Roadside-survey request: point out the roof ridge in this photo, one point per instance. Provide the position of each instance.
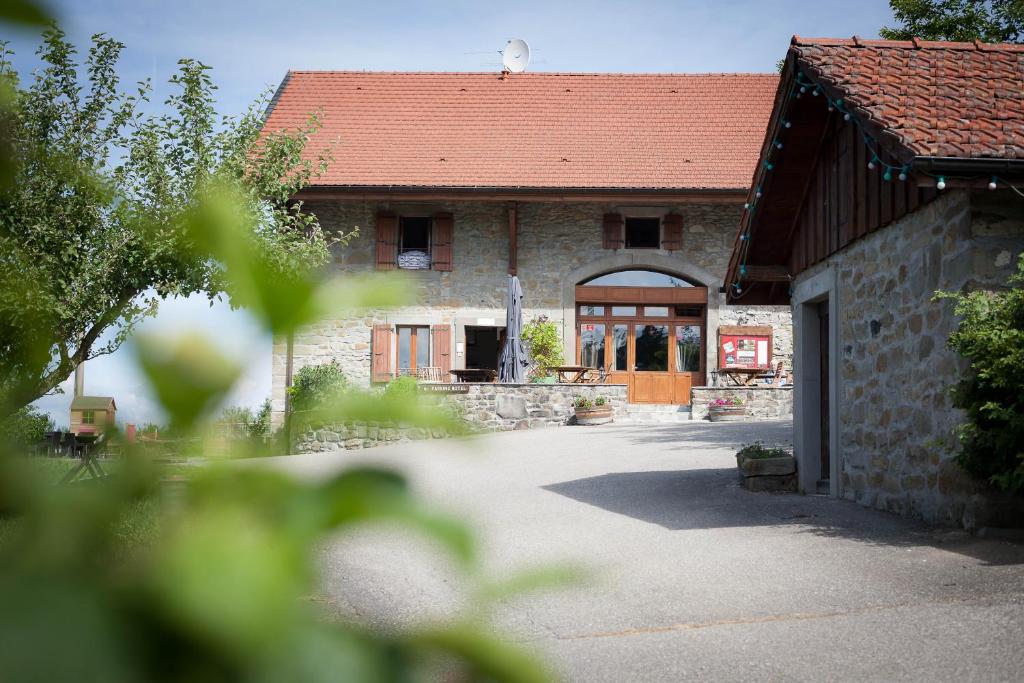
(913, 44)
(530, 74)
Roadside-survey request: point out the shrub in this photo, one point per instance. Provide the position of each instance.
(991, 337)
(582, 402)
(25, 427)
(600, 401)
(401, 386)
(312, 385)
(757, 451)
(544, 344)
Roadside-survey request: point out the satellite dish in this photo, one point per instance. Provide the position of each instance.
(516, 56)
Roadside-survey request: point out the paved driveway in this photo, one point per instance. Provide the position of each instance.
(691, 576)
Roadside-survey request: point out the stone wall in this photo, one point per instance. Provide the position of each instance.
(486, 407)
(556, 241)
(895, 421)
(778, 317)
(761, 402)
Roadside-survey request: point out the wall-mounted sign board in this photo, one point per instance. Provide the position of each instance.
(748, 347)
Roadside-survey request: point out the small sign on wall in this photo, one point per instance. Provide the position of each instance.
(444, 388)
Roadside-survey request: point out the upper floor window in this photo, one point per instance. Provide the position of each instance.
(414, 242)
(643, 233)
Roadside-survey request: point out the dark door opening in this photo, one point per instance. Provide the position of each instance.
(483, 347)
(826, 457)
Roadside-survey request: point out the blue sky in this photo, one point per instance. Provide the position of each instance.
(251, 45)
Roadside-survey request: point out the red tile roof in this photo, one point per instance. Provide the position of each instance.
(938, 99)
(532, 130)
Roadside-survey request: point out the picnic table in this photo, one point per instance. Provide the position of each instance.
(475, 375)
(743, 377)
(574, 374)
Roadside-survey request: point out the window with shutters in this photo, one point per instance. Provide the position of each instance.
(413, 349)
(414, 242)
(643, 233)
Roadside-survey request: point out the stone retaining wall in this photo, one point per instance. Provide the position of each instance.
(761, 402)
(488, 407)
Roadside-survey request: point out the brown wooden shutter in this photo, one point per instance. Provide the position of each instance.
(442, 349)
(672, 232)
(442, 242)
(387, 241)
(380, 347)
(612, 234)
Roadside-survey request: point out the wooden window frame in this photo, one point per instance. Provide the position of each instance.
(88, 417)
(413, 341)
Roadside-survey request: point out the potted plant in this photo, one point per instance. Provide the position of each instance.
(592, 412)
(727, 410)
(766, 469)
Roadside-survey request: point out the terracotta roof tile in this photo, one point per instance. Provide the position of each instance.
(939, 99)
(532, 130)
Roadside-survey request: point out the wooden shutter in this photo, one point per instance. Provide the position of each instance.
(380, 347)
(387, 241)
(441, 248)
(612, 233)
(672, 232)
(442, 349)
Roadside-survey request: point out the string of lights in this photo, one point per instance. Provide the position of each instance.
(877, 161)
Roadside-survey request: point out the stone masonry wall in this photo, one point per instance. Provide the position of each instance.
(489, 407)
(760, 402)
(555, 239)
(895, 418)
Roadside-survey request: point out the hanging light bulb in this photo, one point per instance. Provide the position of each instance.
(778, 145)
(786, 124)
(846, 116)
(831, 107)
(941, 184)
(803, 89)
(815, 92)
(769, 165)
(871, 164)
(902, 175)
(888, 174)
(992, 183)
(758, 193)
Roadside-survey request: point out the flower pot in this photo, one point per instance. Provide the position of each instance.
(727, 413)
(767, 474)
(598, 415)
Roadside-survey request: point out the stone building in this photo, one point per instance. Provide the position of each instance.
(886, 174)
(614, 198)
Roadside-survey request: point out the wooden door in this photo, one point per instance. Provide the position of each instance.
(823, 384)
(652, 381)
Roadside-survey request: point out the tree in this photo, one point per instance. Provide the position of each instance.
(95, 227)
(991, 21)
(24, 427)
(543, 344)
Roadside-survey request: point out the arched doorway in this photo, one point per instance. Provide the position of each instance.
(646, 329)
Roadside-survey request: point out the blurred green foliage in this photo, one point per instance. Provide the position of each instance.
(199, 573)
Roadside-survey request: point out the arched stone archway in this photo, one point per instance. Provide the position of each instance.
(627, 260)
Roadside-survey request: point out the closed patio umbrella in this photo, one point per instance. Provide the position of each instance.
(512, 368)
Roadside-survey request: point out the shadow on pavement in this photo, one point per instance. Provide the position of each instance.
(712, 499)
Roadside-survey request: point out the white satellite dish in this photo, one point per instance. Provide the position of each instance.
(516, 56)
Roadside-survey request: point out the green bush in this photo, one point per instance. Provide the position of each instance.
(582, 402)
(758, 451)
(25, 427)
(313, 385)
(401, 386)
(544, 344)
(991, 337)
(600, 401)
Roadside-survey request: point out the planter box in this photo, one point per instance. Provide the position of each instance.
(598, 415)
(727, 413)
(767, 474)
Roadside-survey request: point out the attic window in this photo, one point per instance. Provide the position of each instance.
(643, 233)
(414, 243)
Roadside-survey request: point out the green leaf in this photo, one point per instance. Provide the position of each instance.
(487, 657)
(25, 12)
(189, 376)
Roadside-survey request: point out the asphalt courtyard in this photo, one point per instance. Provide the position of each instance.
(690, 576)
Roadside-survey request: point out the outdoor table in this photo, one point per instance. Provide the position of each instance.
(573, 374)
(742, 377)
(475, 375)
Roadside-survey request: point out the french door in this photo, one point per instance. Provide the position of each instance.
(659, 359)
